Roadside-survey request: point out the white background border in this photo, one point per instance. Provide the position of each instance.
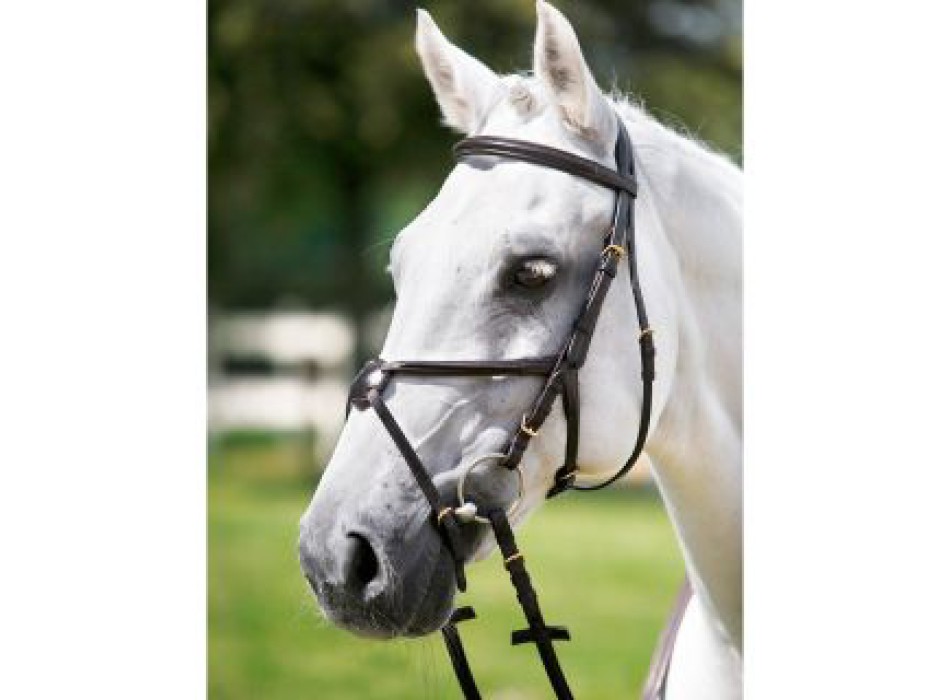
(102, 281)
(847, 350)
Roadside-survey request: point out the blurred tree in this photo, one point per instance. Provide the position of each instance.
(324, 139)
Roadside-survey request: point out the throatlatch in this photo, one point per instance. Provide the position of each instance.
(561, 379)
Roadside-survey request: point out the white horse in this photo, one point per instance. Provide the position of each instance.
(495, 267)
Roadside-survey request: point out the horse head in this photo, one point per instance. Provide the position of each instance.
(497, 266)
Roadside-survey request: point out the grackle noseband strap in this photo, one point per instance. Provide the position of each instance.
(560, 379)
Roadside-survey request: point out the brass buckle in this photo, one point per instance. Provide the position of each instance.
(617, 250)
(513, 557)
(442, 513)
(526, 429)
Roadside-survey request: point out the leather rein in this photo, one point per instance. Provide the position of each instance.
(560, 375)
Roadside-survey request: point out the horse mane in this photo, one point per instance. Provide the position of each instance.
(672, 158)
(696, 189)
(698, 195)
(698, 192)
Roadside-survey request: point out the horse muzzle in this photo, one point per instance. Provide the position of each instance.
(378, 580)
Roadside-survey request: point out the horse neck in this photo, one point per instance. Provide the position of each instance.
(695, 199)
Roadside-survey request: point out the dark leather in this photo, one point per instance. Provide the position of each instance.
(538, 631)
(453, 643)
(472, 368)
(447, 525)
(546, 156)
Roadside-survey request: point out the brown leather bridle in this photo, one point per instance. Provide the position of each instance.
(560, 374)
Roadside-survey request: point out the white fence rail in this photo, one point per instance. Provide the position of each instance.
(307, 359)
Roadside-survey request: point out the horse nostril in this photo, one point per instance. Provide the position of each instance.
(362, 566)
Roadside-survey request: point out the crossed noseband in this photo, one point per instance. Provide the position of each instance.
(559, 373)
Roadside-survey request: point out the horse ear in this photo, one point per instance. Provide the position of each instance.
(464, 87)
(559, 63)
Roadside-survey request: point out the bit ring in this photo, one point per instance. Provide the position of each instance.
(484, 458)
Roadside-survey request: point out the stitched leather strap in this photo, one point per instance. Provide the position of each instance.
(447, 525)
(647, 347)
(453, 644)
(546, 156)
(527, 366)
(538, 631)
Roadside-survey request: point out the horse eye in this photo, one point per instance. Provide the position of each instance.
(535, 273)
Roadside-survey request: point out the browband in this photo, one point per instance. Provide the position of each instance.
(548, 157)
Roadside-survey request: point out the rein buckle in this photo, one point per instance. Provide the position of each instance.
(618, 250)
(528, 430)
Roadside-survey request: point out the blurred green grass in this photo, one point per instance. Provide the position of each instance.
(604, 564)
